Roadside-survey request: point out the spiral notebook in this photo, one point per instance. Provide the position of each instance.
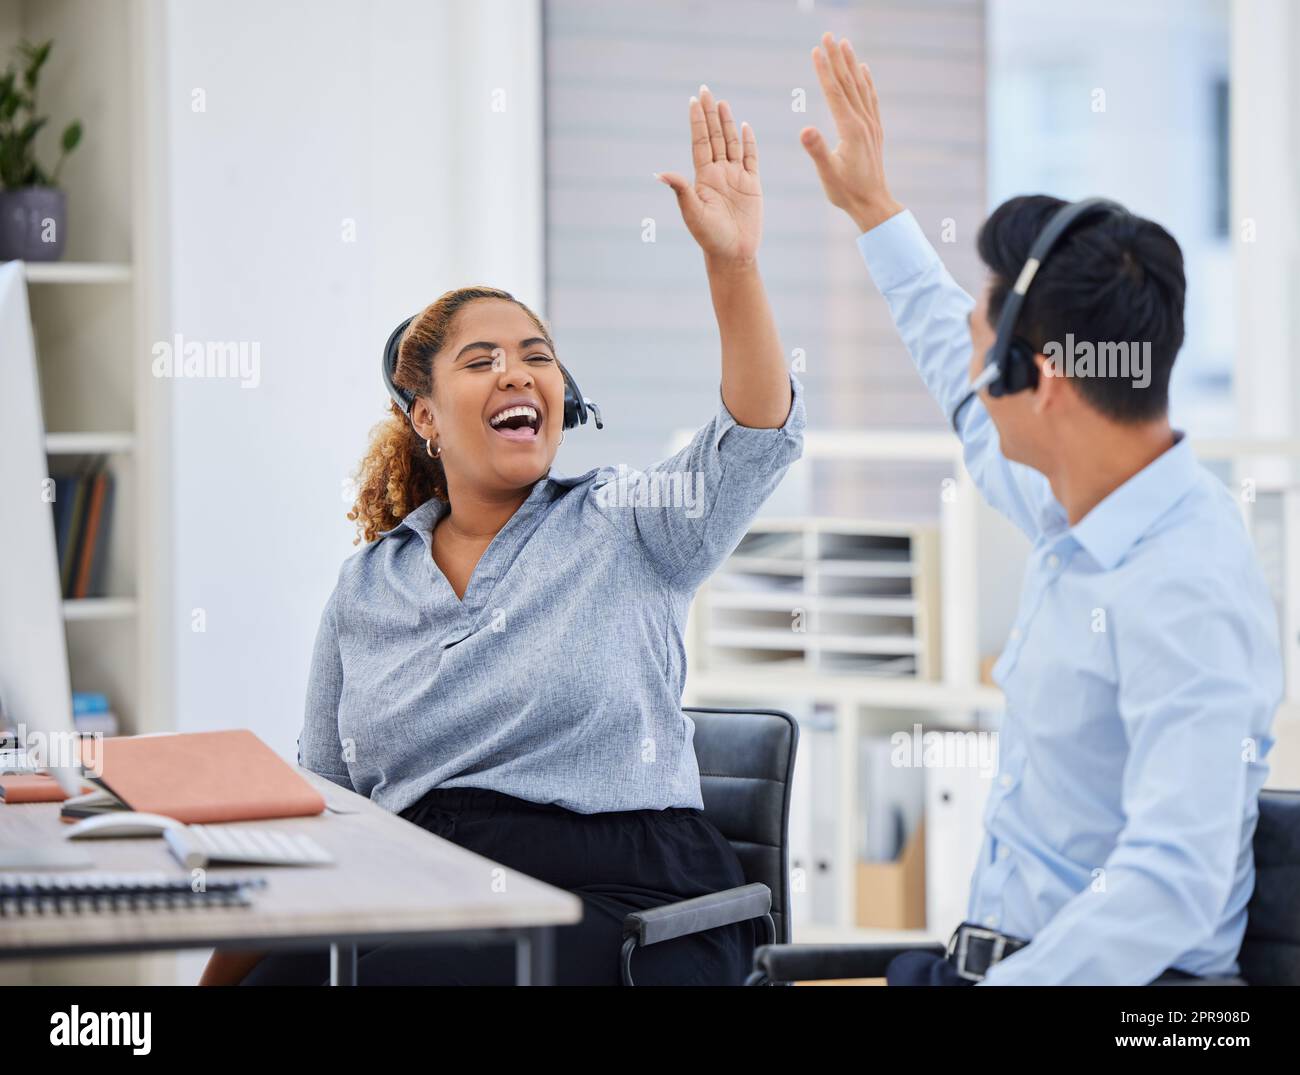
(89, 892)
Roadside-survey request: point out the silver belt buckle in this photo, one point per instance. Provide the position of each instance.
(962, 939)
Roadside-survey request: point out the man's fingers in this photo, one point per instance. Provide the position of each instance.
(701, 150)
(729, 134)
(870, 83)
(845, 66)
(811, 139)
(853, 72)
(834, 94)
(716, 141)
(750, 148)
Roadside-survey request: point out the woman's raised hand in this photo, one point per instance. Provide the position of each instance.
(723, 209)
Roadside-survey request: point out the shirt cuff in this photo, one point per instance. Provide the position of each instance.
(896, 251)
(749, 442)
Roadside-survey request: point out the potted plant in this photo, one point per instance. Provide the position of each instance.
(32, 207)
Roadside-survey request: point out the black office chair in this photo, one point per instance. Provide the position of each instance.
(1270, 950)
(746, 761)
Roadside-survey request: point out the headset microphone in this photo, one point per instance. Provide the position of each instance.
(1009, 365)
(576, 405)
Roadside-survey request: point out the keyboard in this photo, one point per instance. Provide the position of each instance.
(198, 846)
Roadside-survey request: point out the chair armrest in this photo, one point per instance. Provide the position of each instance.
(1199, 981)
(820, 962)
(698, 914)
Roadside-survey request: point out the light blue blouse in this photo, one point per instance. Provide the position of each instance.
(558, 678)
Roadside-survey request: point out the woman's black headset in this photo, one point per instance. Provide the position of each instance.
(576, 405)
(1009, 365)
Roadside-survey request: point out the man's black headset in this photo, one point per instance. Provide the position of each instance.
(576, 405)
(1009, 366)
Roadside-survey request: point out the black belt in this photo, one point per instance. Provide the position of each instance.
(973, 949)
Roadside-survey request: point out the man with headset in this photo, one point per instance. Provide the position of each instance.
(1143, 669)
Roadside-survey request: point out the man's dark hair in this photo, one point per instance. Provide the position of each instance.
(1112, 278)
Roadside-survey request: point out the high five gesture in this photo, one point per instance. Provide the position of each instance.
(853, 173)
(723, 209)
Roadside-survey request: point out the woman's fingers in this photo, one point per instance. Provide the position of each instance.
(687, 196)
(672, 179)
(750, 148)
(701, 150)
(729, 134)
(717, 143)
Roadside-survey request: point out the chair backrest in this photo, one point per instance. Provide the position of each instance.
(746, 760)
(1270, 951)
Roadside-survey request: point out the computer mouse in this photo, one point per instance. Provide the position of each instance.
(122, 823)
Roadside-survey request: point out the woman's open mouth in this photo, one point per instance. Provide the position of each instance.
(520, 422)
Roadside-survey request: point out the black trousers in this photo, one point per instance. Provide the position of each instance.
(614, 862)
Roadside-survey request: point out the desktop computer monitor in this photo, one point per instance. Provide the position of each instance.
(34, 682)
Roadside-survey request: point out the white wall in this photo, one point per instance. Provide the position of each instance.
(315, 114)
(1266, 226)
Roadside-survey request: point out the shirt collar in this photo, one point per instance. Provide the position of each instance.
(1114, 526)
(423, 519)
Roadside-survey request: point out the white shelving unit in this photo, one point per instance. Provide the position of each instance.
(89, 443)
(826, 597)
(94, 315)
(72, 272)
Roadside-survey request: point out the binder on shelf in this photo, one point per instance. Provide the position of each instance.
(956, 797)
(823, 770)
(83, 510)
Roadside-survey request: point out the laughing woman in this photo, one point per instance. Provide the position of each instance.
(503, 662)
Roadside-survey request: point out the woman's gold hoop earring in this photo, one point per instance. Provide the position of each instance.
(428, 447)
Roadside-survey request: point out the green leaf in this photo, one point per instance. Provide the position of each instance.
(30, 130)
(35, 55)
(71, 136)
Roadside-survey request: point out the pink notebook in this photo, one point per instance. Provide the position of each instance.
(201, 777)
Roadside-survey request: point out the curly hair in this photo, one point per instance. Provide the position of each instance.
(397, 474)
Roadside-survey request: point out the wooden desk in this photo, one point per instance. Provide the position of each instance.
(391, 881)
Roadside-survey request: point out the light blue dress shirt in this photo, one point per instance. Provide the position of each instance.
(1141, 679)
(557, 677)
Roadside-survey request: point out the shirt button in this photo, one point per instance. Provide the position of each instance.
(991, 920)
(1015, 634)
(1053, 561)
(1005, 780)
(1003, 851)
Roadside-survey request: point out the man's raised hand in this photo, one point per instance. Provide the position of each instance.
(853, 173)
